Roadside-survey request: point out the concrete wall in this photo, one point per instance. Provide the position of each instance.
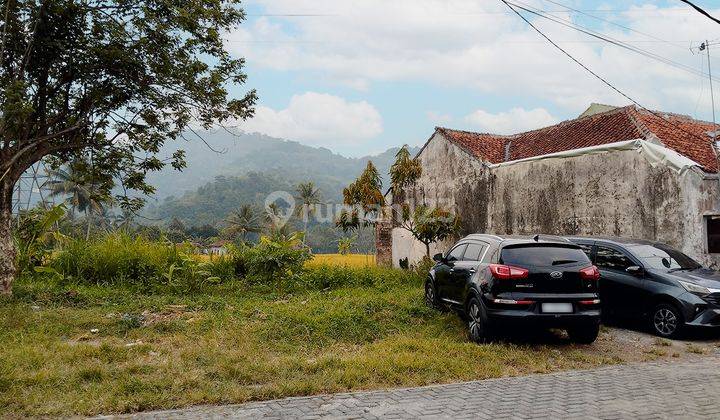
(617, 193)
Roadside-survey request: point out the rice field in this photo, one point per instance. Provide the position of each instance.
(349, 260)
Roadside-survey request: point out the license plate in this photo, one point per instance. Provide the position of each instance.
(557, 308)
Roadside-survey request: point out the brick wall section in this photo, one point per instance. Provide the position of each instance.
(383, 243)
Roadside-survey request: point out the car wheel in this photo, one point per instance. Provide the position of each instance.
(585, 334)
(666, 321)
(478, 326)
(431, 298)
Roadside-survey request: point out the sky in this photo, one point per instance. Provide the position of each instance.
(361, 76)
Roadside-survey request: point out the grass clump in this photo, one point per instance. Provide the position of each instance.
(126, 349)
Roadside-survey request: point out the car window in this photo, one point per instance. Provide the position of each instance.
(542, 256)
(663, 257)
(474, 252)
(611, 259)
(587, 249)
(457, 252)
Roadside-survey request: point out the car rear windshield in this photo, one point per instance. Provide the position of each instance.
(542, 255)
(663, 257)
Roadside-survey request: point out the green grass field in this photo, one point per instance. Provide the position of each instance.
(83, 350)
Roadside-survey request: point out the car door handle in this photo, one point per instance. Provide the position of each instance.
(472, 271)
(452, 270)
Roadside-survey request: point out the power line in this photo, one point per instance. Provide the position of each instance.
(597, 76)
(701, 11)
(569, 55)
(615, 24)
(606, 38)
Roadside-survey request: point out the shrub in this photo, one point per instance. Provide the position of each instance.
(278, 259)
(34, 236)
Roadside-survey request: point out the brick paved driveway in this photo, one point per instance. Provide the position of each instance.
(679, 389)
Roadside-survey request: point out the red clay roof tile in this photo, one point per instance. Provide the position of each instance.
(683, 134)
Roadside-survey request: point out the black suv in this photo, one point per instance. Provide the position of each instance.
(653, 282)
(494, 281)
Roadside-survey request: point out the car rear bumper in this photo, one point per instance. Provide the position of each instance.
(520, 317)
(582, 314)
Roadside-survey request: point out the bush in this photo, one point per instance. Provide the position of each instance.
(279, 260)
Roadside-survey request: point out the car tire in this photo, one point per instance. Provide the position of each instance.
(666, 321)
(431, 298)
(585, 334)
(478, 325)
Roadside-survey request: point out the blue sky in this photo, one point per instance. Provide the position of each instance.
(368, 75)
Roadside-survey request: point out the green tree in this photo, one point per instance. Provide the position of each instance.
(365, 193)
(404, 172)
(429, 225)
(308, 197)
(110, 79)
(243, 221)
(79, 191)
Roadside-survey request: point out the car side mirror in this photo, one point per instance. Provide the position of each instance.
(635, 270)
(438, 257)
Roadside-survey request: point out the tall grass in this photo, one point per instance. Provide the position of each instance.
(119, 258)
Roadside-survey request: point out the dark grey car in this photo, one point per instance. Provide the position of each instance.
(654, 282)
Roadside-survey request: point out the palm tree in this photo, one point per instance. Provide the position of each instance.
(308, 196)
(124, 220)
(75, 189)
(243, 221)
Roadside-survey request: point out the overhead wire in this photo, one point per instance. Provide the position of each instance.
(627, 28)
(701, 11)
(597, 76)
(606, 38)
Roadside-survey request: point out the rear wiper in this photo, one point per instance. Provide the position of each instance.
(558, 262)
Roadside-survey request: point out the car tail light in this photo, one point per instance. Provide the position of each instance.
(590, 302)
(513, 302)
(590, 273)
(507, 272)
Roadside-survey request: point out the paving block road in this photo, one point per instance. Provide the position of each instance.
(687, 389)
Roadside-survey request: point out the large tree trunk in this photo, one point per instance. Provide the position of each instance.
(8, 269)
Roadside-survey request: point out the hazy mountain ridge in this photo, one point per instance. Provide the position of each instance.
(250, 167)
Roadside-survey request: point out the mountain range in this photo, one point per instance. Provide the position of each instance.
(225, 170)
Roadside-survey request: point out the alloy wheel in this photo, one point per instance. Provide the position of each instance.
(429, 294)
(665, 321)
(475, 320)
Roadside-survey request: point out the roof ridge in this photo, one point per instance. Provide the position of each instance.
(561, 123)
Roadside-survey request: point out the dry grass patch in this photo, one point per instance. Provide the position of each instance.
(114, 350)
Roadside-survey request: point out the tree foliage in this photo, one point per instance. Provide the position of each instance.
(243, 221)
(115, 78)
(365, 193)
(429, 225)
(404, 172)
(111, 82)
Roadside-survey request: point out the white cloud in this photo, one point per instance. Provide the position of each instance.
(318, 119)
(478, 45)
(513, 121)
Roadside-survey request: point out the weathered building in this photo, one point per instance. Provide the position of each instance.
(623, 172)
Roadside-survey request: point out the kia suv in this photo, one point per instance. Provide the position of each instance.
(497, 282)
(653, 282)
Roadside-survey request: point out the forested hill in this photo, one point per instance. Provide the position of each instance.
(249, 168)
